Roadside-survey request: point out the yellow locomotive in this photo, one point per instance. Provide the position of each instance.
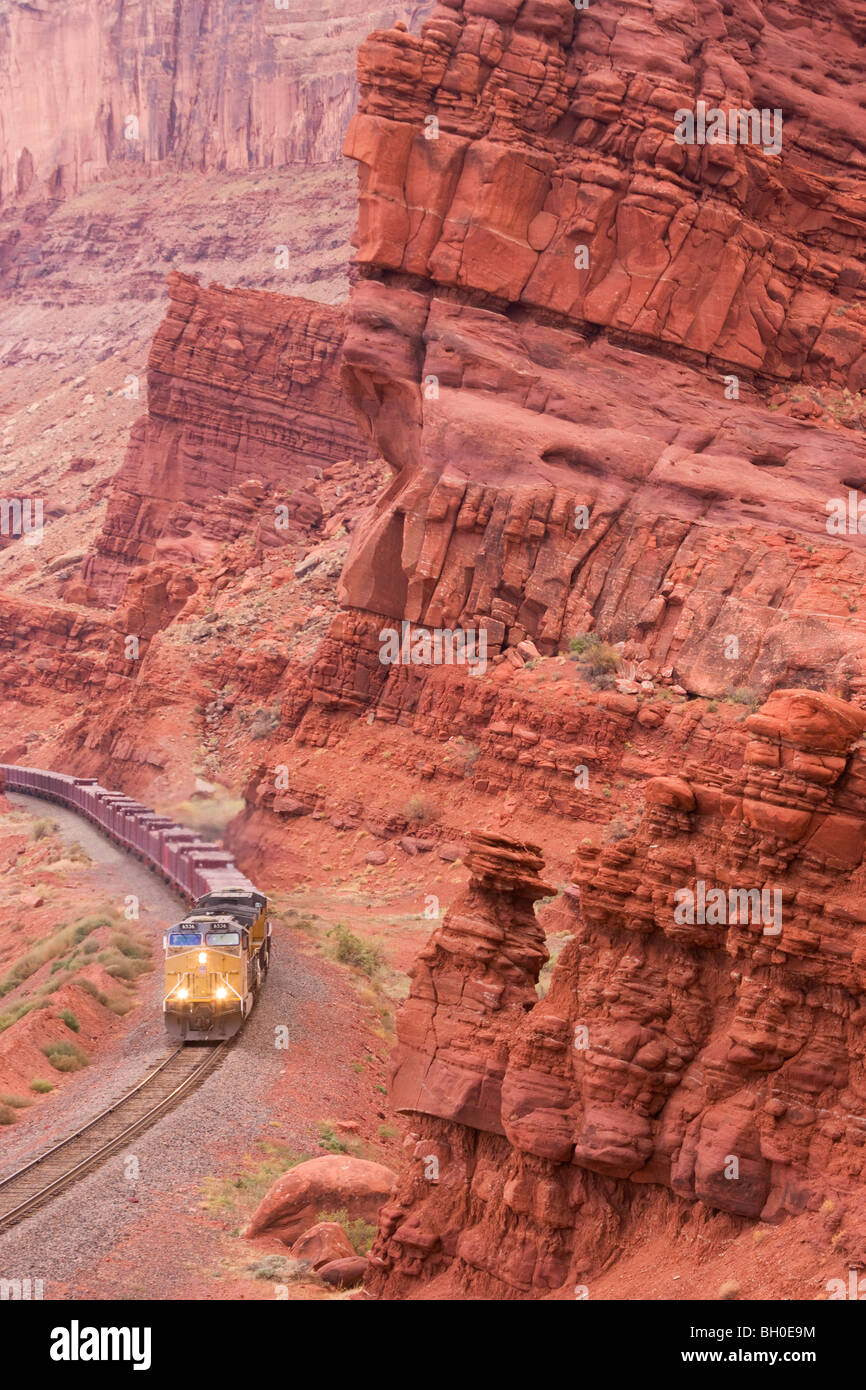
(215, 962)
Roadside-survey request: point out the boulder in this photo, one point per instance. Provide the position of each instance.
(343, 1274)
(334, 1182)
(322, 1244)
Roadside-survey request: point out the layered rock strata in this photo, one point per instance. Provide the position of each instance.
(244, 410)
(619, 379)
(696, 1037)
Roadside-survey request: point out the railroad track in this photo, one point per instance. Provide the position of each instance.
(38, 1181)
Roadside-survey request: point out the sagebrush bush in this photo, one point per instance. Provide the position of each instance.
(52, 948)
(65, 1056)
(597, 660)
(41, 828)
(128, 946)
(330, 1140)
(351, 950)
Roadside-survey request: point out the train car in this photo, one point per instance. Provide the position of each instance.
(216, 961)
(197, 867)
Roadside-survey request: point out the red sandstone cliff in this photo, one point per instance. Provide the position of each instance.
(243, 391)
(508, 387)
(229, 85)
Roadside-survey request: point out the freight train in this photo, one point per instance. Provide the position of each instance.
(217, 957)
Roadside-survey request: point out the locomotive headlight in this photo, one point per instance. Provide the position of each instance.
(222, 992)
(183, 993)
(202, 957)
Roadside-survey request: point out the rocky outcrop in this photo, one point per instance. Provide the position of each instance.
(475, 977)
(697, 1036)
(90, 87)
(244, 410)
(44, 645)
(647, 439)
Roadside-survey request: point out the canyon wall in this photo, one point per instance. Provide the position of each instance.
(188, 84)
(244, 410)
(619, 379)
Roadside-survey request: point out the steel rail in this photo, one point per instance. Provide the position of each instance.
(104, 1150)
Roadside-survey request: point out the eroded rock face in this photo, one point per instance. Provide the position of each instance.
(476, 975)
(244, 409)
(557, 127)
(703, 1030)
(228, 85)
(647, 445)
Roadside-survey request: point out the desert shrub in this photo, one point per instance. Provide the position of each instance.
(620, 829)
(278, 1269)
(13, 1014)
(52, 948)
(65, 1056)
(351, 950)
(118, 1005)
(15, 1101)
(41, 1087)
(42, 827)
(245, 1190)
(90, 988)
(597, 661)
(360, 1232)
(70, 1020)
(121, 967)
(129, 947)
(331, 1141)
(88, 924)
(743, 695)
(265, 722)
(7, 1115)
(420, 810)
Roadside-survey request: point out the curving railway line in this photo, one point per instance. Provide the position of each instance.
(25, 1190)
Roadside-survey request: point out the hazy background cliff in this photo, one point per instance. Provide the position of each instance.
(195, 84)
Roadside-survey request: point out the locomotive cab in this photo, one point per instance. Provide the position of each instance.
(211, 977)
